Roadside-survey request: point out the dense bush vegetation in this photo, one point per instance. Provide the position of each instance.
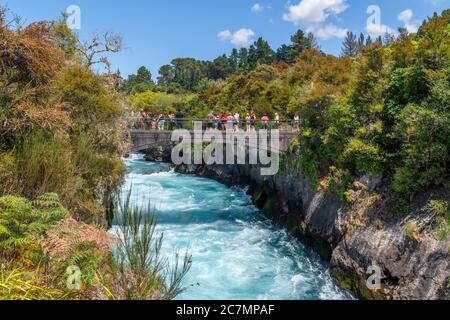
(62, 135)
(41, 246)
(61, 125)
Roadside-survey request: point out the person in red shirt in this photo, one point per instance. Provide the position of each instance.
(223, 121)
(252, 120)
(265, 122)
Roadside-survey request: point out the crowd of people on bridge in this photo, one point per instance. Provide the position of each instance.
(160, 122)
(224, 121)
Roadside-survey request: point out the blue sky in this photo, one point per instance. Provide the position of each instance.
(156, 31)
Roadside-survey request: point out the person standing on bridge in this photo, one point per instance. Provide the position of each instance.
(154, 121)
(142, 120)
(237, 121)
(277, 120)
(210, 121)
(253, 120)
(231, 122)
(161, 122)
(216, 121)
(171, 121)
(265, 122)
(179, 116)
(149, 123)
(223, 121)
(297, 122)
(248, 122)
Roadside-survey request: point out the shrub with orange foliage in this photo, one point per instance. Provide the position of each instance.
(66, 237)
(26, 115)
(29, 61)
(28, 54)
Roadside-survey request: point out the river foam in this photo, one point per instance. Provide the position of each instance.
(237, 253)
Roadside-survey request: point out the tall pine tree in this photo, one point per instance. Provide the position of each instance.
(300, 42)
(361, 42)
(350, 46)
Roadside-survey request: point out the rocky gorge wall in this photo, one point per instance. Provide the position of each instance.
(353, 237)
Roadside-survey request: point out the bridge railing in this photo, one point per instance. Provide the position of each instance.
(188, 124)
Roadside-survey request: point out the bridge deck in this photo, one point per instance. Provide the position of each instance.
(144, 139)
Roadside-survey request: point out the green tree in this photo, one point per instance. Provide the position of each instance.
(144, 75)
(350, 48)
(425, 150)
(434, 42)
(284, 53)
(166, 76)
(244, 60)
(63, 37)
(361, 42)
(406, 86)
(219, 68)
(233, 60)
(183, 74)
(300, 42)
(140, 82)
(155, 102)
(187, 72)
(260, 52)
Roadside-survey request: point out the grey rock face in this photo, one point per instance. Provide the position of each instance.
(158, 154)
(372, 181)
(410, 268)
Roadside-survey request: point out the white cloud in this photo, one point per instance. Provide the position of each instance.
(241, 38)
(314, 11)
(314, 14)
(329, 31)
(375, 30)
(224, 35)
(406, 17)
(257, 8)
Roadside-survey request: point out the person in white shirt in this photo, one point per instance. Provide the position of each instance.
(248, 122)
(277, 120)
(297, 122)
(237, 121)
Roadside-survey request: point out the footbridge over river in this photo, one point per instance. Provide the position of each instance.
(145, 139)
(270, 135)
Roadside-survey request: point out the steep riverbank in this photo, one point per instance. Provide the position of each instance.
(353, 237)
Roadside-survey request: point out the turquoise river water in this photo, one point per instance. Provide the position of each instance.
(237, 253)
